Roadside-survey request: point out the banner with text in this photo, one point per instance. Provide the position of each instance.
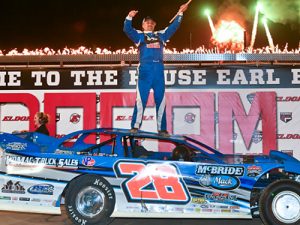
(237, 109)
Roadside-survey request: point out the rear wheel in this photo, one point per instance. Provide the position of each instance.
(280, 203)
(90, 200)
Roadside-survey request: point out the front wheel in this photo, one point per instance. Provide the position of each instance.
(280, 203)
(90, 200)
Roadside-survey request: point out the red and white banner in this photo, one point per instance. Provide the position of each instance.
(244, 110)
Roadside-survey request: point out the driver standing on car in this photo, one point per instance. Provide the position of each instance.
(151, 69)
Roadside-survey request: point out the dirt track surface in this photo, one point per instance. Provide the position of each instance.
(12, 218)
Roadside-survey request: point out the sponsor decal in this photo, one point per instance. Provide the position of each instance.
(15, 118)
(189, 210)
(250, 97)
(5, 198)
(38, 161)
(177, 209)
(16, 146)
(223, 207)
(220, 197)
(75, 118)
(206, 210)
(286, 116)
(253, 171)
(189, 117)
(220, 170)
(288, 99)
(224, 182)
(153, 45)
(216, 210)
(64, 152)
(235, 211)
(225, 210)
(129, 118)
(88, 161)
(219, 182)
(257, 136)
(11, 187)
(36, 200)
(23, 199)
(199, 200)
(43, 189)
(288, 136)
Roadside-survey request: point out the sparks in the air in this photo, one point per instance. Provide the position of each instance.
(255, 23)
(270, 39)
(211, 24)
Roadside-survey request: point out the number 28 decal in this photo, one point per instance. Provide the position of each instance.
(152, 182)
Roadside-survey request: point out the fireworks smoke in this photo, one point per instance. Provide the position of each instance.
(284, 12)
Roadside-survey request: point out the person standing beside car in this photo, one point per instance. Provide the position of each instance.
(40, 120)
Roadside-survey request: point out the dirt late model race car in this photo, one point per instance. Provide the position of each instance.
(102, 174)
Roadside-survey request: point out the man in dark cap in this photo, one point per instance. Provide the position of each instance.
(151, 69)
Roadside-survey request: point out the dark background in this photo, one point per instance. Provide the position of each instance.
(98, 23)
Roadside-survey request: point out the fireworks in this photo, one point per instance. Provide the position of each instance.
(254, 29)
(211, 24)
(229, 35)
(132, 50)
(270, 39)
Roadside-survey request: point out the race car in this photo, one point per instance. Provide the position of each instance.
(105, 173)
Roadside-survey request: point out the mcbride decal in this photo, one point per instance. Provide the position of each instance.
(220, 170)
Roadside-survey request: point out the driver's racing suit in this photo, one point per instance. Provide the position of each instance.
(150, 70)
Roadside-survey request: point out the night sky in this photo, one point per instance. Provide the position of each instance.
(97, 23)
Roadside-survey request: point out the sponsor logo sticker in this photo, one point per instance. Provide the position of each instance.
(43, 189)
(88, 161)
(286, 116)
(11, 187)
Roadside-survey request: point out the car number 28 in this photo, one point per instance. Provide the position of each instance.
(152, 182)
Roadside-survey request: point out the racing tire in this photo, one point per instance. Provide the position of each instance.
(90, 200)
(280, 203)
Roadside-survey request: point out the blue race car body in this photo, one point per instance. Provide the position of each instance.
(105, 173)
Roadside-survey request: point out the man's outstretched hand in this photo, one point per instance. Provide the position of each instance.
(183, 8)
(133, 13)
